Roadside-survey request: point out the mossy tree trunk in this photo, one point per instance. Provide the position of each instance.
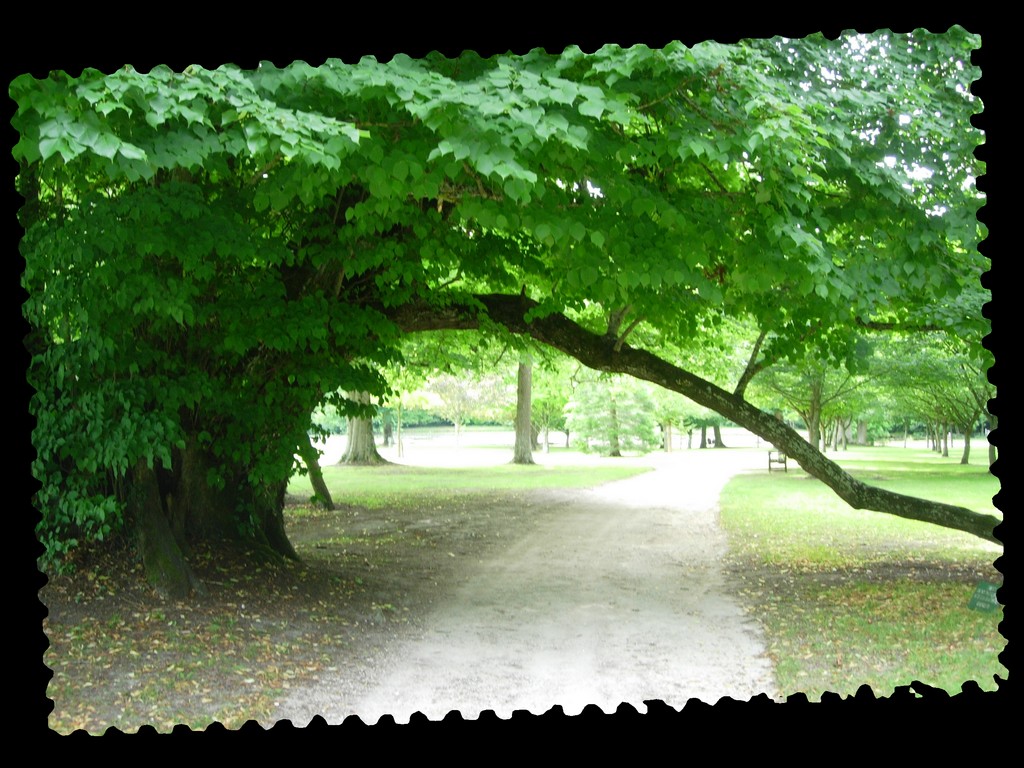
(201, 500)
(311, 458)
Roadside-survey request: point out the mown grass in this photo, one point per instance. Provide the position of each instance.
(404, 486)
(849, 597)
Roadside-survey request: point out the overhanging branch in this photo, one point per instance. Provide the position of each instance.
(598, 352)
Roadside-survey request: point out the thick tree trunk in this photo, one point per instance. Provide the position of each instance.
(162, 553)
(598, 353)
(201, 501)
(268, 510)
(522, 453)
(717, 429)
(311, 458)
(361, 449)
(703, 436)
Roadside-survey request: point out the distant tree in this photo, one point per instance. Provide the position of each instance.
(943, 381)
(459, 399)
(362, 447)
(614, 413)
(553, 387)
(523, 450)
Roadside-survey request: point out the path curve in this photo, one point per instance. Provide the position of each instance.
(620, 597)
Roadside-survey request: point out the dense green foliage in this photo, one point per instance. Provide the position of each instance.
(212, 253)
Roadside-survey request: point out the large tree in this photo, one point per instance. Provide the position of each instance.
(209, 252)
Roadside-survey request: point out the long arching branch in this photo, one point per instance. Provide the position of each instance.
(601, 354)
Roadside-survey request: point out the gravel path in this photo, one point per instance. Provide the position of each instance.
(619, 597)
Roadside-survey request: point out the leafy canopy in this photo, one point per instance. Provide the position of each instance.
(210, 253)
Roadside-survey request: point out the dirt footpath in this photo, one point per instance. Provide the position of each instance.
(610, 595)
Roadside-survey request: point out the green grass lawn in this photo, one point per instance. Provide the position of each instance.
(406, 486)
(849, 597)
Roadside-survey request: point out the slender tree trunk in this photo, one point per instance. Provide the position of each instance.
(310, 457)
(965, 458)
(398, 430)
(523, 451)
(813, 417)
(945, 441)
(991, 445)
(362, 448)
(703, 436)
(615, 449)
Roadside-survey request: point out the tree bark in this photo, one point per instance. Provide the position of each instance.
(361, 448)
(615, 449)
(993, 421)
(965, 458)
(163, 558)
(522, 453)
(398, 431)
(717, 429)
(598, 353)
(813, 416)
(310, 457)
(201, 499)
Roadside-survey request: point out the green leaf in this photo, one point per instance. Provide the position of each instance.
(592, 108)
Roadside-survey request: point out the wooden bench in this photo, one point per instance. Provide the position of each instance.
(777, 457)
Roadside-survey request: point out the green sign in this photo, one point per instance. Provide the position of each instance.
(984, 597)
